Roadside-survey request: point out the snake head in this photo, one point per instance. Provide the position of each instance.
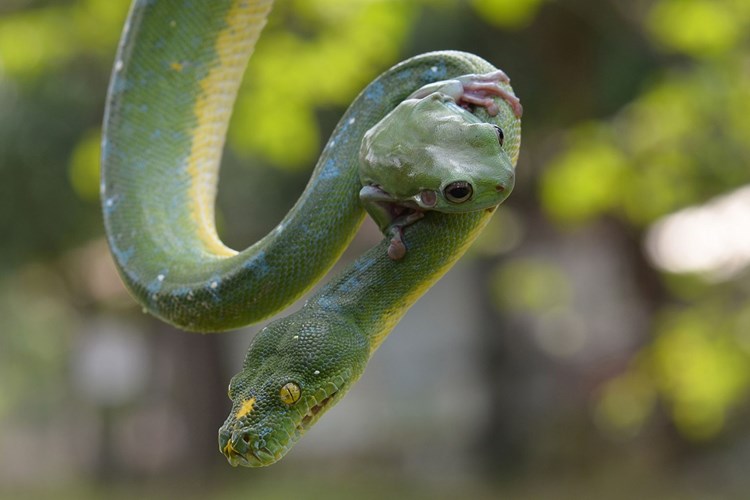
(296, 369)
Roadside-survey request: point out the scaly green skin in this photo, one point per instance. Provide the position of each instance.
(176, 73)
(324, 347)
(157, 230)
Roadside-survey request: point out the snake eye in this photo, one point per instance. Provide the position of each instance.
(290, 393)
(500, 135)
(458, 192)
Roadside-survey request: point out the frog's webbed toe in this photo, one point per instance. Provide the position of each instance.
(475, 90)
(478, 90)
(397, 247)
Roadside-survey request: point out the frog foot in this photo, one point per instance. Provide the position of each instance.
(397, 246)
(474, 90)
(391, 215)
(478, 90)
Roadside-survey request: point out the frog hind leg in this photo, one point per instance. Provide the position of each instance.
(391, 216)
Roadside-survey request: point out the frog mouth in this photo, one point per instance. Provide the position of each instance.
(400, 213)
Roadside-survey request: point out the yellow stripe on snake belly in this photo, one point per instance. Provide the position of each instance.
(234, 46)
(176, 75)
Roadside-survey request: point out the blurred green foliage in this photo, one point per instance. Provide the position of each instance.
(36, 329)
(624, 405)
(682, 140)
(277, 105)
(35, 41)
(511, 14)
(661, 152)
(624, 126)
(696, 362)
(530, 286)
(699, 28)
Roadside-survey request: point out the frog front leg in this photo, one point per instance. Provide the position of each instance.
(391, 215)
(475, 90)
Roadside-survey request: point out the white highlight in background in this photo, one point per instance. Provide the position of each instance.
(711, 239)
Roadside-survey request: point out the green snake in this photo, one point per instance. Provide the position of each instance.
(174, 82)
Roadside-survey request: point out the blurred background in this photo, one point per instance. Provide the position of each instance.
(595, 343)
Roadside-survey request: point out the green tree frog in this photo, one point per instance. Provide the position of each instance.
(432, 153)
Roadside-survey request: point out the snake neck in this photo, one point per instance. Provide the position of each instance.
(376, 291)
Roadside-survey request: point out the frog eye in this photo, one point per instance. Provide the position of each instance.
(500, 135)
(290, 393)
(428, 198)
(458, 192)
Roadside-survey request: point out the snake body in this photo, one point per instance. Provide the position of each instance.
(175, 79)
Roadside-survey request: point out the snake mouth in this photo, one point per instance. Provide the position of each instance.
(236, 447)
(314, 413)
(239, 448)
(235, 458)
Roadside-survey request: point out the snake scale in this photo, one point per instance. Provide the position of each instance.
(175, 78)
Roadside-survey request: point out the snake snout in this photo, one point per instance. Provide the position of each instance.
(236, 446)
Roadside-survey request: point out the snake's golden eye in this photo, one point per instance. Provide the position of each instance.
(290, 393)
(458, 192)
(500, 135)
